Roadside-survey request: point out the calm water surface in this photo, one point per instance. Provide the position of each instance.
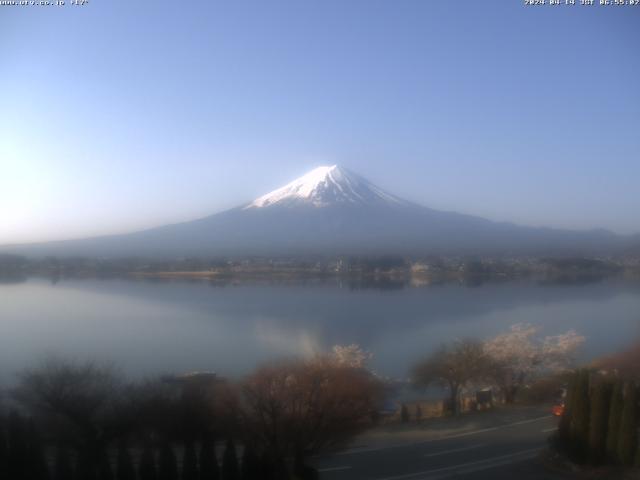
(149, 327)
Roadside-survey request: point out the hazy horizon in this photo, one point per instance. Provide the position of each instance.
(145, 114)
(186, 220)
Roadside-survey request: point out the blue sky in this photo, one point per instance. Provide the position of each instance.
(121, 115)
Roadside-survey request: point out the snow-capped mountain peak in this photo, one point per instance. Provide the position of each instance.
(325, 186)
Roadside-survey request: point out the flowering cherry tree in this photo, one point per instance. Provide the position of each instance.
(350, 356)
(519, 355)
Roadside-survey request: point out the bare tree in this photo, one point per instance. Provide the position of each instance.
(293, 409)
(453, 366)
(77, 400)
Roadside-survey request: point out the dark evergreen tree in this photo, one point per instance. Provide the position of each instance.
(251, 468)
(209, 469)
(404, 413)
(418, 413)
(125, 469)
(62, 469)
(167, 463)
(147, 467)
(189, 462)
(267, 467)
(230, 462)
(4, 450)
(18, 462)
(104, 470)
(628, 436)
(599, 418)
(613, 427)
(579, 428)
(86, 463)
(38, 469)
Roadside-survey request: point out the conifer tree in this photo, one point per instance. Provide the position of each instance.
(267, 467)
(63, 468)
(4, 450)
(209, 469)
(628, 436)
(250, 464)
(230, 462)
(167, 463)
(613, 427)
(147, 467)
(579, 428)
(599, 417)
(86, 464)
(418, 412)
(125, 469)
(38, 469)
(189, 462)
(18, 461)
(104, 470)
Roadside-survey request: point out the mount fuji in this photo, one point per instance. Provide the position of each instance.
(326, 187)
(332, 211)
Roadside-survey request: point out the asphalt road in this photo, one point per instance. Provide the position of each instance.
(493, 451)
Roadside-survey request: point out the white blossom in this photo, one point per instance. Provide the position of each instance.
(521, 354)
(350, 355)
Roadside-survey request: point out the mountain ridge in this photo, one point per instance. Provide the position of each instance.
(334, 211)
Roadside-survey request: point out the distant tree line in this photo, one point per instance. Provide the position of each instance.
(360, 269)
(83, 421)
(12, 266)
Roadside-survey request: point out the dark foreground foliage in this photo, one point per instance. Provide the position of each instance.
(600, 423)
(82, 421)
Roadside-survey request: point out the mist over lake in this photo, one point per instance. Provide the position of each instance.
(150, 327)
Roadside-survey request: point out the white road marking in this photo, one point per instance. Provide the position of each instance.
(522, 422)
(446, 437)
(454, 450)
(466, 434)
(333, 469)
(547, 430)
(469, 466)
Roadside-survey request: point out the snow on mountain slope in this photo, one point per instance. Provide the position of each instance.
(326, 186)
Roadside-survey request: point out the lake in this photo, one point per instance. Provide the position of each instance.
(149, 327)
